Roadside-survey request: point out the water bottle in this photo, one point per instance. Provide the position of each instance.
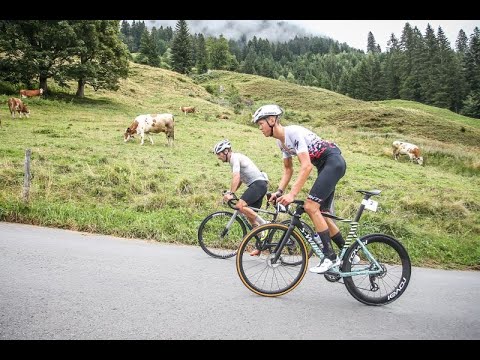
(318, 241)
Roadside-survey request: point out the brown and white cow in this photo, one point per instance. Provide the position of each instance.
(187, 109)
(30, 93)
(152, 123)
(16, 105)
(404, 148)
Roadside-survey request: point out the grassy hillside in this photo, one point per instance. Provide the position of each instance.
(86, 178)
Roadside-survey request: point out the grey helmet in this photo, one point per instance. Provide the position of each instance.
(222, 145)
(267, 110)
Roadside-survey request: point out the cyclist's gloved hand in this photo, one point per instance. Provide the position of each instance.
(274, 196)
(227, 195)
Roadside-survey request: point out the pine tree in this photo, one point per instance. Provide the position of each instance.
(472, 61)
(202, 58)
(368, 79)
(446, 74)
(182, 48)
(371, 43)
(472, 58)
(461, 44)
(428, 70)
(411, 43)
(149, 53)
(392, 68)
(248, 65)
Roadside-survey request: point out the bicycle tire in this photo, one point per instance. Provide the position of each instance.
(257, 272)
(387, 286)
(210, 235)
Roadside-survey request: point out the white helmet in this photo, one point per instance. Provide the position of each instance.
(267, 110)
(222, 145)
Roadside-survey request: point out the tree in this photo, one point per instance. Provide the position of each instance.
(202, 57)
(471, 106)
(181, 49)
(149, 53)
(37, 48)
(367, 78)
(371, 44)
(218, 53)
(102, 57)
(472, 60)
(462, 42)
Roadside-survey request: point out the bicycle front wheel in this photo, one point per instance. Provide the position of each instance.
(218, 241)
(263, 276)
(395, 266)
(292, 244)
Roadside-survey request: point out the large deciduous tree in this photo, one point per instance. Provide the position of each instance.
(36, 49)
(102, 57)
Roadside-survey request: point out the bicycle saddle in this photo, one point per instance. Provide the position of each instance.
(371, 192)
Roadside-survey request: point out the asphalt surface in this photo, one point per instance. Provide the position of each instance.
(60, 284)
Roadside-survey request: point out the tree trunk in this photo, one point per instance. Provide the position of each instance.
(81, 89)
(43, 83)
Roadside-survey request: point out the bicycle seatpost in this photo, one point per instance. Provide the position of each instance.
(362, 207)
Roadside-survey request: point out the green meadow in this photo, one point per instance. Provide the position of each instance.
(86, 178)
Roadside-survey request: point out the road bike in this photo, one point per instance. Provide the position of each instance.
(375, 268)
(220, 232)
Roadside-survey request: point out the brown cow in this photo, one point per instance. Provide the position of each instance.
(187, 109)
(17, 105)
(404, 148)
(30, 93)
(222, 116)
(147, 124)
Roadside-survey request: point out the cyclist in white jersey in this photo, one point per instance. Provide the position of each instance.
(244, 171)
(311, 150)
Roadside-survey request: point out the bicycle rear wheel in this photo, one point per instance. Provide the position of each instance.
(259, 274)
(390, 283)
(218, 241)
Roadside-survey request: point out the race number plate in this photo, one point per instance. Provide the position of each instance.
(370, 204)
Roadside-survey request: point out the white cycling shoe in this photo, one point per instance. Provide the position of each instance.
(325, 265)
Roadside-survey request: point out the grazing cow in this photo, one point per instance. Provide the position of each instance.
(17, 105)
(187, 109)
(30, 93)
(404, 148)
(222, 116)
(156, 123)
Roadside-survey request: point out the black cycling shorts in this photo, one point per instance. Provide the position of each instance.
(254, 194)
(330, 172)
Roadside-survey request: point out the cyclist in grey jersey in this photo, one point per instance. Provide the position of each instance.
(248, 171)
(244, 171)
(311, 150)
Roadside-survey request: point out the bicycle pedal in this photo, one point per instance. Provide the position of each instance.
(331, 276)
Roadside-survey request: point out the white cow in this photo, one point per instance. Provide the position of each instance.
(404, 148)
(152, 123)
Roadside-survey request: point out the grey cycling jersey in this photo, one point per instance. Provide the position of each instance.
(249, 172)
(299, 139)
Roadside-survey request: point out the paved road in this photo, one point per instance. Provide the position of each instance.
(60, 284)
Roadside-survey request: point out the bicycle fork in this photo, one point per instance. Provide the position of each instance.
(230, 222)
(296, 223)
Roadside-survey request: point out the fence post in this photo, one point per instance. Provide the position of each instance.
(27, 177)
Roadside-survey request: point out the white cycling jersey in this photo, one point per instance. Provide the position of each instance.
(299, 139)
